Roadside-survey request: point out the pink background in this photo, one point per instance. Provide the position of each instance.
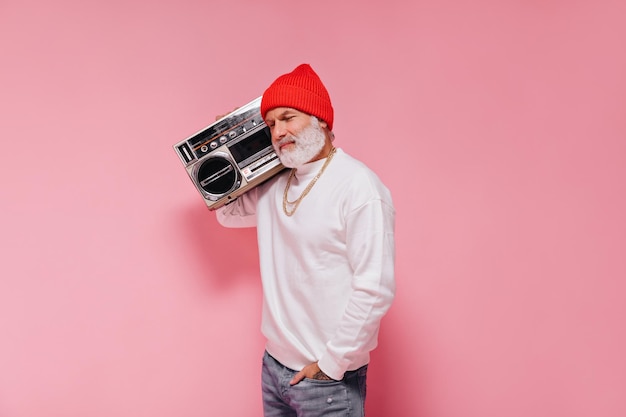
(499, 126)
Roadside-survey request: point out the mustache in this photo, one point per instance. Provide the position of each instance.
(285, 140)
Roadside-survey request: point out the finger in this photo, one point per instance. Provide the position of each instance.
(297, 378)
(221, 116)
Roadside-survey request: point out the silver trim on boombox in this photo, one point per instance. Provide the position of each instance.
(230, 156)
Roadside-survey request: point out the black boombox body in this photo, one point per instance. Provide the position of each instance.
(231, 156)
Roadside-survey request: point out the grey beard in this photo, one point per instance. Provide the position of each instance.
(308, 144)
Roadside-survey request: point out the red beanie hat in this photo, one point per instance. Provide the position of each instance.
(302, 90)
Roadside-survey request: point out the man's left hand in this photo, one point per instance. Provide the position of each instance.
(311, 371)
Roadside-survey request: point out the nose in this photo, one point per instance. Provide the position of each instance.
(278, 131)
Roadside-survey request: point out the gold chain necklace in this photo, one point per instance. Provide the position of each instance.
(296, 202)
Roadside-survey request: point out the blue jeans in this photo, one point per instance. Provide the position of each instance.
(311, 397)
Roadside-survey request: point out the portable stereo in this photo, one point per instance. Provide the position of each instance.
(230, 156)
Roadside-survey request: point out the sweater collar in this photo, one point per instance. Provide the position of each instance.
(311, 168)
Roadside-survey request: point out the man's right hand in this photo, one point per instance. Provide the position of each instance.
(225, 114)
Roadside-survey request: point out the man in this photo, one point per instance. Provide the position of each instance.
(326, 242)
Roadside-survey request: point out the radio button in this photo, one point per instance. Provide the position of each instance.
(213, 145)
(204, 148)
(223, 139)
(232, 134)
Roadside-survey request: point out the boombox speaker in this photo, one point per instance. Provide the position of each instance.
(231, 156)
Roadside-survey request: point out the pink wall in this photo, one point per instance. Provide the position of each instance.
(499, 128)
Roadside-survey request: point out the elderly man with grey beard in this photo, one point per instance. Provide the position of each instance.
(325, 232)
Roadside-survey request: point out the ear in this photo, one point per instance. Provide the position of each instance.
(323, 124)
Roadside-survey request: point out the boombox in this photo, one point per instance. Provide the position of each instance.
(231, 156)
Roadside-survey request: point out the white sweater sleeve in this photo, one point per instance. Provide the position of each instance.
(241, 212)
(371, 253)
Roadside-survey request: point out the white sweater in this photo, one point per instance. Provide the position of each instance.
(327, 271)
